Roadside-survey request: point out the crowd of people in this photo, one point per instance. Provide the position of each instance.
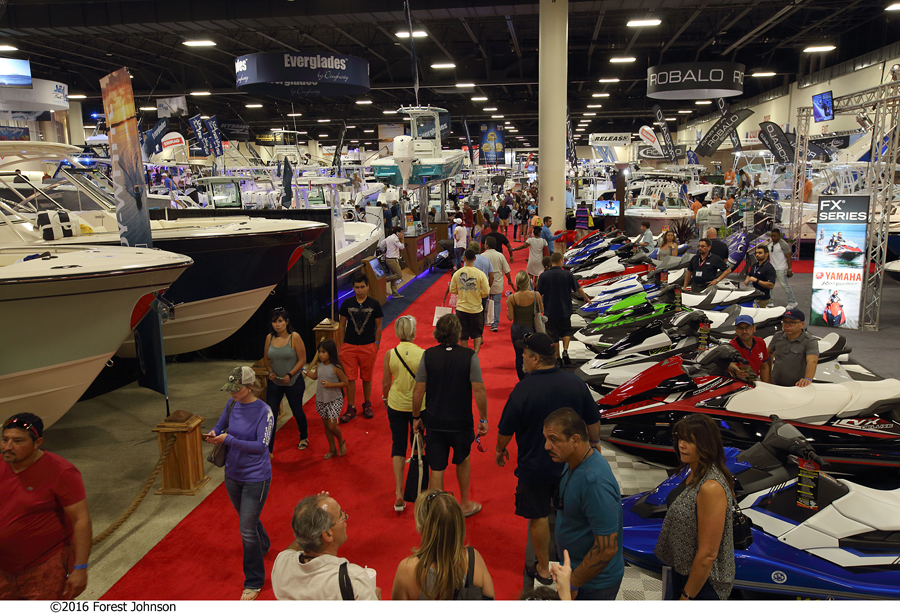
(45, 529)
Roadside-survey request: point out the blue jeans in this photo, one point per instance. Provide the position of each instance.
(517, 332)
(495, 298)
(781, 275)
(248, 500)
(603, 593)
(294, 393)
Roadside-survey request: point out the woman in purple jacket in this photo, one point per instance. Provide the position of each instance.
(248, 470)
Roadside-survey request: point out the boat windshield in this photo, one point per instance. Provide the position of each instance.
(69, 191)
(225, 195)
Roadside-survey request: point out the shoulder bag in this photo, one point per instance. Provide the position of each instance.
(344, 583)
(469, 591)
(418, 473)
(539, 319)
(741, 529)
(219, 450)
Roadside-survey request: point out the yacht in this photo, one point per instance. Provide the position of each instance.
(65, 311)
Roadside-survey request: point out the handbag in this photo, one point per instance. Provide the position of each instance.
(540, 320)
(469, 591)
(216, 457)
(741, 529)
(417, 476)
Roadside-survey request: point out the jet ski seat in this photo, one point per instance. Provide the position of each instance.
(867, 398)
(814, 404)
(874, 509)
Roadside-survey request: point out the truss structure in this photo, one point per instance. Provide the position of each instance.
(884, 101)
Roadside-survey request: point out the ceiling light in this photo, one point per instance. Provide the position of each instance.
(367, 143)
(507, 122)
(323, 136)
(621, 60)
(294, 114)
(589, 114)
(368, 131)
(599, 95)
(389, 112)
(670, 119)
(131, 76)
(893, 7)
(608, 81)
(253, 106)
(763, 74)
(479, 99)
(201, 94)
(143, 108)
(204, 116)
(301, 132)
(465, 85)
(198, 43)
(8, 48)
(363, 102)
(489, 109)
(819, 49)
(323, 120)
(416, 34)
(595, 106)
(349, 127)
(496, 116)
(685, 112)
(703, 102)
(79, 97)
(579, 129)
(354, 141)
(444, 65)
(643, 23)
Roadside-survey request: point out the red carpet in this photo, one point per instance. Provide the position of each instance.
(201, 558)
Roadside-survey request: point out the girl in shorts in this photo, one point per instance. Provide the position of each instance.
(331, 380)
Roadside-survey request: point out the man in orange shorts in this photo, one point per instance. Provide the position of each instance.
(358, 343)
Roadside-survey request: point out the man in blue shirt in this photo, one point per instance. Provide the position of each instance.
(588, 509)
(547, 235)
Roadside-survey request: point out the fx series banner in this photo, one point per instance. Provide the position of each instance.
(492, 147)
(840, 261)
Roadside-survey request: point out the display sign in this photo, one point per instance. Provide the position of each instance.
(842, 223)
(615, 139)
(606, 207)
(15, 73)
(42, 97)
(832, 142)
(695, 80)
(723, 110)
(646, 152)
(720, 131)
(492, 146)
(302, 75)
(171, 107)
(234, 130)
(152, 142)
(172, 139)
(387, 132)
(823, 107)
(10, 133)
(668, 147)
(202, 139)
(812, 150)
(215, 136)
(773, 137)
(808, 485)
(649, 136)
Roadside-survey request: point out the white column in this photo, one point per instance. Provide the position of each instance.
(552, 98)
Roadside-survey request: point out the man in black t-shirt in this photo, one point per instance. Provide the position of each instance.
(762, 276)
(359, 338)
(544, 390)
(717, 245)
(499, 237)
(556, 286)
(504, 211)
(704, 268)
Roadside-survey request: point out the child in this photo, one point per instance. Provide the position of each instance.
(330, 381)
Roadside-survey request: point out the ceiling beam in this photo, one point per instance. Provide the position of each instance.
(817, 24)
(681, 30)
(784, 13)
(740, 16)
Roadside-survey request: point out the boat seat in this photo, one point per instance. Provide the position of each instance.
(813, 404)
(423, 147)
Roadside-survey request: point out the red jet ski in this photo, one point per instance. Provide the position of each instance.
(834, 312)
(846, 250)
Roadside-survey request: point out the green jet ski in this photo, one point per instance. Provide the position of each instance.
(627, 315)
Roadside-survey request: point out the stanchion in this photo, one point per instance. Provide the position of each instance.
(182, 473)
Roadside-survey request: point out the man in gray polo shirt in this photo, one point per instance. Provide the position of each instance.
(794, 352)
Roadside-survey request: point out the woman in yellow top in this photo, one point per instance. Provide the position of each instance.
(400, 367)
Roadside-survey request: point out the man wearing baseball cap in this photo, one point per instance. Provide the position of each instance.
(752, 348)
(795, 353)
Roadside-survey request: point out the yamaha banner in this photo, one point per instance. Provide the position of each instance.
(717, 134)
(197, 128)
(723, 110)
(215, 136)
(492, 149)
(153, 138)
(668, 147)
(302, 75)
(772, 136)
(840, 260)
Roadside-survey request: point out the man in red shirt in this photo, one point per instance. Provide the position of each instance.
(45, 527)
(752, 348)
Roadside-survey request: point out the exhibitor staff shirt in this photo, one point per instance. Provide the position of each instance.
(704, 271)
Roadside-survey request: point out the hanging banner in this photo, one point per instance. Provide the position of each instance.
(172, 139)
(215, 136)
(668, 147)
(646, 152)
(202, 140)
(812, 149)
(386, 134)
(302, 75)
(171, 107)
(832, 142)
(491, 144)
(10, 133)
(153, 138)
(649, 136)
(617, 139)
(469, 147)
(842, 222)
(692, 158)
(723, 111)
(772, 136)
(720, 131)
(234, 130)
(695, 80)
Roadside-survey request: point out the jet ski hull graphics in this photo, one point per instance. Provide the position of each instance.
(616, 272)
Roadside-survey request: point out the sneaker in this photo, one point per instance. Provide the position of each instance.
(495, 329)
(559, 362)
(367, 410)
(565, 358)
(791, 305)
(349, 414)
(396, 295)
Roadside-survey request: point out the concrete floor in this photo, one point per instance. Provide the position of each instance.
(110, 439)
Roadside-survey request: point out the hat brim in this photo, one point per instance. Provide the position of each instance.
(232, 387)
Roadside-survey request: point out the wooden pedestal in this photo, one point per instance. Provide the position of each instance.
(183, 472)
(326, 330)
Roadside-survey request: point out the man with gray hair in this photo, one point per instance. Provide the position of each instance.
(310, 568)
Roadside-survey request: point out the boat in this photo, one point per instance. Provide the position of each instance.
(418, 159)
(66, 310)
(237, 260)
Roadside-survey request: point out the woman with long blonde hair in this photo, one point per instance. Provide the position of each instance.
(520, 311)
(439, 565)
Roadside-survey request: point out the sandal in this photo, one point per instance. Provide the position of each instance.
(400, 505)
(331, 453)
(303, 444)
(250, 594)
(343, 449)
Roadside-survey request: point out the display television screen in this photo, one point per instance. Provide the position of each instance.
(823, 107)
(606, 207)
(15, 73)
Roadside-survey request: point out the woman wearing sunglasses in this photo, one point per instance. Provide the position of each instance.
(439, 567)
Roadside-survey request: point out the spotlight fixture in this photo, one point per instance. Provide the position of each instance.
(895, 72)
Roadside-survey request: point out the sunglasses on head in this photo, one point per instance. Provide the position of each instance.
(23, 424)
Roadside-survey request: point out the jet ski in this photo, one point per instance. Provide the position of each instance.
(855, 425)
(720, 296)
(614, 264)
(833, 314)
(740, 244)
(843, 545)
(846, 250)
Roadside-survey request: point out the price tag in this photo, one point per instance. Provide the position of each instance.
(808, 485)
